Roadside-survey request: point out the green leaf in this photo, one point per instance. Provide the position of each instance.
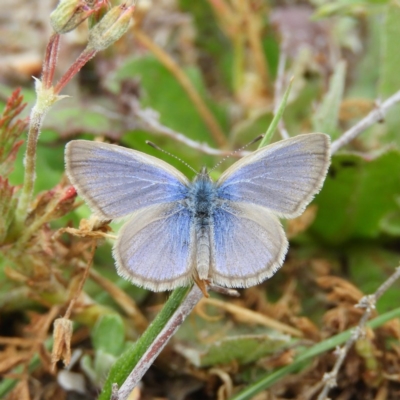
(277, 117)
(390, 223)
(305, 92)
(364, 80)
(356, 195)
(389, 74)
(109, 334)
(163, 93)
(73, 115)
(241, 349)
(103, 361)
(326, 117)
(389, 71)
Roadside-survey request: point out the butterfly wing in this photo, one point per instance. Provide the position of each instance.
(116, 181)
(283, 177)
(248, 245)
(154, 249)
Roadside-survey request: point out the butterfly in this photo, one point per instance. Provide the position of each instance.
(227, 232)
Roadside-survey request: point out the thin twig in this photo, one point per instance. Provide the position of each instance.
(374, 116)
(151, 121)
(209, 119)
(159, 343)
(84, 57)
(368, 302)
(81, 282)
(252, 316)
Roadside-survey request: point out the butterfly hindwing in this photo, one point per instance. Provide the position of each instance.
(116, 181)
(155, 248)
(248, 245)
(283, 177)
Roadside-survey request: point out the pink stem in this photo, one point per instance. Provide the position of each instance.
(50, 60)
(85, 56)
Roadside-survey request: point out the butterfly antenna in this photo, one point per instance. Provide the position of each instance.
(151, 144)
(237, 151)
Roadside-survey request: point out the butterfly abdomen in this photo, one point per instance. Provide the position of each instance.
(201, 203)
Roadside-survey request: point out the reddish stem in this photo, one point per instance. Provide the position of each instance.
(50, 60)
(85, 56)
(53, 59)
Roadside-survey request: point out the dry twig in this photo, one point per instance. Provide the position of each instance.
(376, 115)
(368, 303)
(159, 343)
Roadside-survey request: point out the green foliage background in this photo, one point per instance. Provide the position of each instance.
(356, 228)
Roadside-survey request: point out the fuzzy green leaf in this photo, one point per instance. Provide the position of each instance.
(241, 349)
(326, 117)
(356, 195)
(109, 334)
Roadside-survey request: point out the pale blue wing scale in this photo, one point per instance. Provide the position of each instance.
(116, 181)
(248, 245)
(155, 248)
(283, 177)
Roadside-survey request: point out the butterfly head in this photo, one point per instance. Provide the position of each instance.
(203, 174)
(202, 193)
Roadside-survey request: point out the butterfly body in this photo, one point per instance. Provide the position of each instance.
(202, 201)
(202, 194)
(227, 231)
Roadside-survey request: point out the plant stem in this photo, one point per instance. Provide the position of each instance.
(84, 57)
(127, 362)
(35, 124)
(160, 342)
(50, 60)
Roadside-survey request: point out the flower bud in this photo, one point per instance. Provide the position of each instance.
(112, 26)
(69, 14)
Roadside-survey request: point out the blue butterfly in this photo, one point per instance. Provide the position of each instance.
(226, 231)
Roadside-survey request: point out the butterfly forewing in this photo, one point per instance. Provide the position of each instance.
(283, 177)
(248, 245)
(116, 181)
(155, 249)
